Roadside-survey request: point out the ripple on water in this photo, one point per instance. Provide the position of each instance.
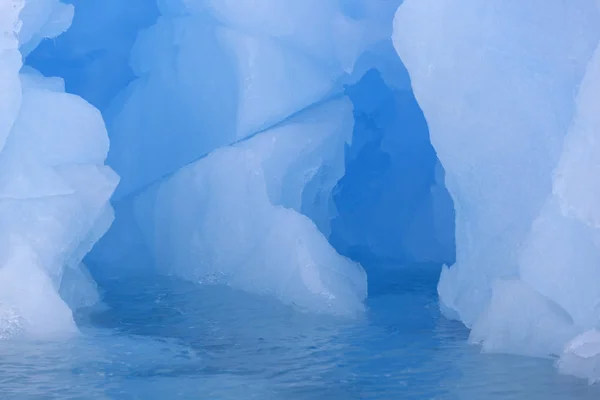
(163, 339)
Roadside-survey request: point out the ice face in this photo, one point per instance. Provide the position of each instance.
(510, 95)
(54, 188)
(233, 217)
(184, 111)
(266, 63)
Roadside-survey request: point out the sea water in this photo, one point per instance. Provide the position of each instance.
(165, 338)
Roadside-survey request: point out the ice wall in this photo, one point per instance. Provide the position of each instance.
(54, 188)
(209, 73)
(228, 161)
(233, 217)
(231, 125)
(268, 65)
(391, 206)
(510, 92)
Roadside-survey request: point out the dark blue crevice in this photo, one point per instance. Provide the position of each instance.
(393, 207)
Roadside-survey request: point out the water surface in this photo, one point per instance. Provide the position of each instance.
(163, 338)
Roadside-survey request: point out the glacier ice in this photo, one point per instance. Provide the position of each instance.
(257, 58)
(269, 145)
(261, 76)
(391, 165)
(273, 88)
(233, 216)
(581, 356)
(54, 186)
(94, 52)
(510, 92)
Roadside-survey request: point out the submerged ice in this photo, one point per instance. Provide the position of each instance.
(279, 147)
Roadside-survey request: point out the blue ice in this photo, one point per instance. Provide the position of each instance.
(299, 199)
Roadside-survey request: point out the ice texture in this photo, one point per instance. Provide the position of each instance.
(54, 186)
(510, 93)
(174, 105)
(234, 217)
(229, 163)
(266, 64)
(228, 126)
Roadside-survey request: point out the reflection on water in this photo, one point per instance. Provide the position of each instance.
(161, 338)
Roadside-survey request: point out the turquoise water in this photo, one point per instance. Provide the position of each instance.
(161, 338)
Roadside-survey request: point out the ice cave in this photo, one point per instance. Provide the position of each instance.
(299, 199)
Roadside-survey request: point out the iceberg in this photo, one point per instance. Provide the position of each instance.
(228, 164)
(305, 150)
(510, 93)
(54, 186)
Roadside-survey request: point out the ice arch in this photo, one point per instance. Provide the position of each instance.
(270, 145)
(242, 133)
